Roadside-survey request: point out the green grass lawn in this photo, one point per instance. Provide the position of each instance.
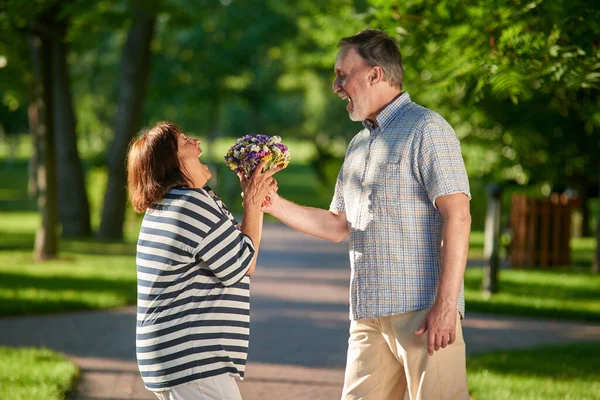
(96, 275)
(547, 373)
(564, 293)
(87, 274)
(35, 374)
(583, 251)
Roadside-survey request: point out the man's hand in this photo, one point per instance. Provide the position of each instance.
(440, 325)
(268, 203)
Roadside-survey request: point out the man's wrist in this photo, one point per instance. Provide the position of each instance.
(446, 302)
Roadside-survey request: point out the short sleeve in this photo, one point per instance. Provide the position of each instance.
(227, 251)
(337, 203)
(441, 167)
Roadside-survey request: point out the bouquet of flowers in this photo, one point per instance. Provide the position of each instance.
(248, 151)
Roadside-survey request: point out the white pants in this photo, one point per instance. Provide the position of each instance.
(220, 387)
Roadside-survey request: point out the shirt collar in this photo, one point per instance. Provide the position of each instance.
(386, 115)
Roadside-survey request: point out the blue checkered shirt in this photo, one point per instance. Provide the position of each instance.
(391, 176)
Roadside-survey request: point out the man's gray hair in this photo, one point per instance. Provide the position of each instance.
(377, 48)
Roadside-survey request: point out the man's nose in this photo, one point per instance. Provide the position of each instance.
(336, 87)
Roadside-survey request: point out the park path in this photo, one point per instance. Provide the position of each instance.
(299, 329)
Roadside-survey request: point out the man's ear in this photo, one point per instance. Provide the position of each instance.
(376, 75)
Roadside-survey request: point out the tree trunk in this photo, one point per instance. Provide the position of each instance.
(135, 69)
(33, 116)
(74, 209)
(45, 239)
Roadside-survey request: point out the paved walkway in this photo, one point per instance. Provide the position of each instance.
(299, 329)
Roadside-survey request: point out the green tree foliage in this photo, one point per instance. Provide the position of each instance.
(308, 63)
(519, 80)
(16, 75)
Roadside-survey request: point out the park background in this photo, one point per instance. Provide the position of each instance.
(518, 80)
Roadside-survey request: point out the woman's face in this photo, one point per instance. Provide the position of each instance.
(188, 148)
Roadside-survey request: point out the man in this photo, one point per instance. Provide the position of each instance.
(402, 195)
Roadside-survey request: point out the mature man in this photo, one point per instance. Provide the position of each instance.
(403, 196)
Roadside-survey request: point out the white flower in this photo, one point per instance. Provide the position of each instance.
(254, 148)
(236, 154)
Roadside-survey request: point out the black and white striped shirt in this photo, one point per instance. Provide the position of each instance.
(193, 313)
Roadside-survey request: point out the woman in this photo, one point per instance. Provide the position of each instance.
(193, 267)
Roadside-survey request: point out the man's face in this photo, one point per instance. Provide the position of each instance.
(351, 83)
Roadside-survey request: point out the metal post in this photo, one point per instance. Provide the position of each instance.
(492, 240)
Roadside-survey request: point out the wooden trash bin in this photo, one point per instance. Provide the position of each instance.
(540, 231)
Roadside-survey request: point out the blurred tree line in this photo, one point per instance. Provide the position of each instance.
(518, 80)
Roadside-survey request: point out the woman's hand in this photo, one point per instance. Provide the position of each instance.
(260, 187)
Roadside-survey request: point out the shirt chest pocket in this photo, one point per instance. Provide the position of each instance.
(394, 177)
(397, 184)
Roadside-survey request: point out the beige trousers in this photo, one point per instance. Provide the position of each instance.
(386, 361)
(220, 387)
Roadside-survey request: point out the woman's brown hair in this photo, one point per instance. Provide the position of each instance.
(153, 166)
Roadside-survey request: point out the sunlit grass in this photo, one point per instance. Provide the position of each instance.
(35, 374)
(73, 282)
(583, 250)
(557, 293)
(90, 275)
(547, 373)
(86, 275)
